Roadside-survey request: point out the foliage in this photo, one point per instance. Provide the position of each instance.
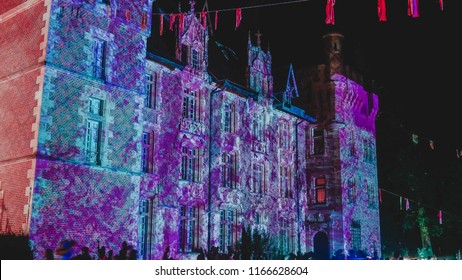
(255, 245)
(430, 178)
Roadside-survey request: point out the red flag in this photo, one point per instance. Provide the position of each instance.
(238, 17)
(407, 204)
(172, 21)
(128, 16)
(441, 4)
(413, 8)
(330, 17)
(440, 217)
(144, 21)
(216, 20)
(380, 195)
(161, 25)
(180, 23)
(382, 9)
(204, 19)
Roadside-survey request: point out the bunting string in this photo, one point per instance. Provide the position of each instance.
(412, 11)
(439, 213)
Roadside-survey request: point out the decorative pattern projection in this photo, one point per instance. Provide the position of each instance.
(159, 156)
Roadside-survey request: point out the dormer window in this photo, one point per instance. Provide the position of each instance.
(185, 54)
(195, 59)
(190, 56)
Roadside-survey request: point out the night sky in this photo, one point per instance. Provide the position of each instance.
(413, 60)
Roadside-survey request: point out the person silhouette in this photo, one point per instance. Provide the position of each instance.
(49, 254)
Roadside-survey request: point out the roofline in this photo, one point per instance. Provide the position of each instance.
(296, 111)
(165, 61)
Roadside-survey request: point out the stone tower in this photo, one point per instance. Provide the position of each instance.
(341, 162)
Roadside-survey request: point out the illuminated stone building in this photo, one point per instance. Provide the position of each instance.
(105, 142)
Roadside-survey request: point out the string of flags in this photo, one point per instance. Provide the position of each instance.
(407, 205)
(431, 144)
(412, 11)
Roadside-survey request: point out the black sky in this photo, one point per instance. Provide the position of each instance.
(415, 60)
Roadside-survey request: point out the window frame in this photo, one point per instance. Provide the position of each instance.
(320, 185)
(318, 145)
(355, 232)
(191, 159)
(191, 105)
(228, 229)
(99, 58)
(189, 228)
(147, 152)
(93, 131)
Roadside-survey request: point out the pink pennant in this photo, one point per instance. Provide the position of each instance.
(382, 10)
(204, 19)
(180, 23)
(144, 21)
(216, 20)
(172, 21)
(413, 8)
(432, 144)
(440, 217)
(128, 15)
(330, 17)
(441, 5)
(407, 204)
(161, 25)
(238, 17)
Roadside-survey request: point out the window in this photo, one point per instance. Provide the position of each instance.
(352, 146)
(229, 117)
(286, 236)
(95, 107)
(320, 190)
(145, 229)
(150, 99)
(371, 195)
(258, 178)
(318, 141)
(368, 154)
(257, 218)
(228, 232)
(284, 136)
(355, 229)
(229, 170)
(352, 190)
(185, 54)
(286, 182)
(189, 228)
(258, 127)
(93, 131)
(191, 105)
(147, 153)
(99, 59)
(195, 59)
(190, 164)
